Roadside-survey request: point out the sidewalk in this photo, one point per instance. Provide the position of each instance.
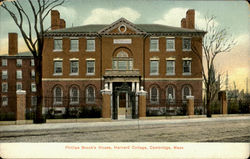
(113, 123)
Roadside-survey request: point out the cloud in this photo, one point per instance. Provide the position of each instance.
(104, 16)
(173, 18)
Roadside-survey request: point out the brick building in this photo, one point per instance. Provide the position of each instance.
(17, 72)
(78, 61)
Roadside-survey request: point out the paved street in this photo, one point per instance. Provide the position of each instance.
(225, 129)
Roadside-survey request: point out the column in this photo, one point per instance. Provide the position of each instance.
(106, 102)
(133, 86)
(223, 101)
(111, 104)
(21, 105)
(190, 106)
(137, 86)
(142, 102)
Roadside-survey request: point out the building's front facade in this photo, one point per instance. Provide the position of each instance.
(78, 61)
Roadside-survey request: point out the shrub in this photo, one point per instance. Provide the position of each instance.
(10, 116)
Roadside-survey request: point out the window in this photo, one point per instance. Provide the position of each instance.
(186, 91)
(170, 94)
(74, 95)
(18, 86)
(58, 67)
(4, 62)
(4, 87)
(19, 62)
(90, 45)
(186, 44)
(19, 74)
(58, 94)
(74, 67)
(154, 44)
(33, 74)
(4, 75)
(154, 67)
(33, 100)
(170, 42)
(57, 44)
(74, 45)
(187, 67)
(4, 100)
(122, 62)
(33, 87)
(90, 95)
(32, 62)
(154, 97)
(170, 64)
(90, 67)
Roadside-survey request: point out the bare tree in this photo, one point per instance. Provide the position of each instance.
(32, 14)
(216, 41)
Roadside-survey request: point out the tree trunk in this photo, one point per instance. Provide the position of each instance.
(208, 104)
(38, 68)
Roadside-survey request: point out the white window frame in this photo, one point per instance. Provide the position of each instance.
(19, 84)
(156, 73)
(4, 74)
(168, 73)
(190, 69)
(20, 72)
(57, 49)
(170, 39)
(87, 95)
(33, 100)
(55, 102)
(33, 74)
(190, 91)
(4, 87)
(32, 62)
(4, 62)
(60, 73)
(19, 62)
(90, 73)
(87, 46)
(186, 49)
(71, 62)
(157, 96)
(33, 87)
(4, 103)
(157, 45)
(77, 45)
(71, 96)
(167, 95)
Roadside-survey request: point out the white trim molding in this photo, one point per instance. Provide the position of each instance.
(170, 58)
(71, 79)
(187, 58)
(173, 79)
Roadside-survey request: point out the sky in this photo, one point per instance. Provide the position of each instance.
(232, 15)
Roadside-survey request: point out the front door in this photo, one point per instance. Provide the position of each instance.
(122, 105)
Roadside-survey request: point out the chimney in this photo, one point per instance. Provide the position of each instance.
(183, 23)
(56, 22)
(190, 19)
(13, 44)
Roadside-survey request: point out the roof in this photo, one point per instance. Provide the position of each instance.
(20, 54)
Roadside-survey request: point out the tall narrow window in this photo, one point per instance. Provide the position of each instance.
(33, 87)
(186, 91)
(74, 67)
(170, 42)
(33, 74)
(154, 67)
(32, 62)
(4, 87)
(90, 67)
(33, 100)
(74, 95)
(170, 67)
(4, 75)
(58, 67)
(19, 62)
(58, 94)
(186, 44)
(57, 44)
(90, 95)
(19, 74)
(187, 67)
(154, 44)
(90, 45)
(4, 100)
(170, 94)
(74, 45)
(154, 97)
(4, 62)
(18, 86)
